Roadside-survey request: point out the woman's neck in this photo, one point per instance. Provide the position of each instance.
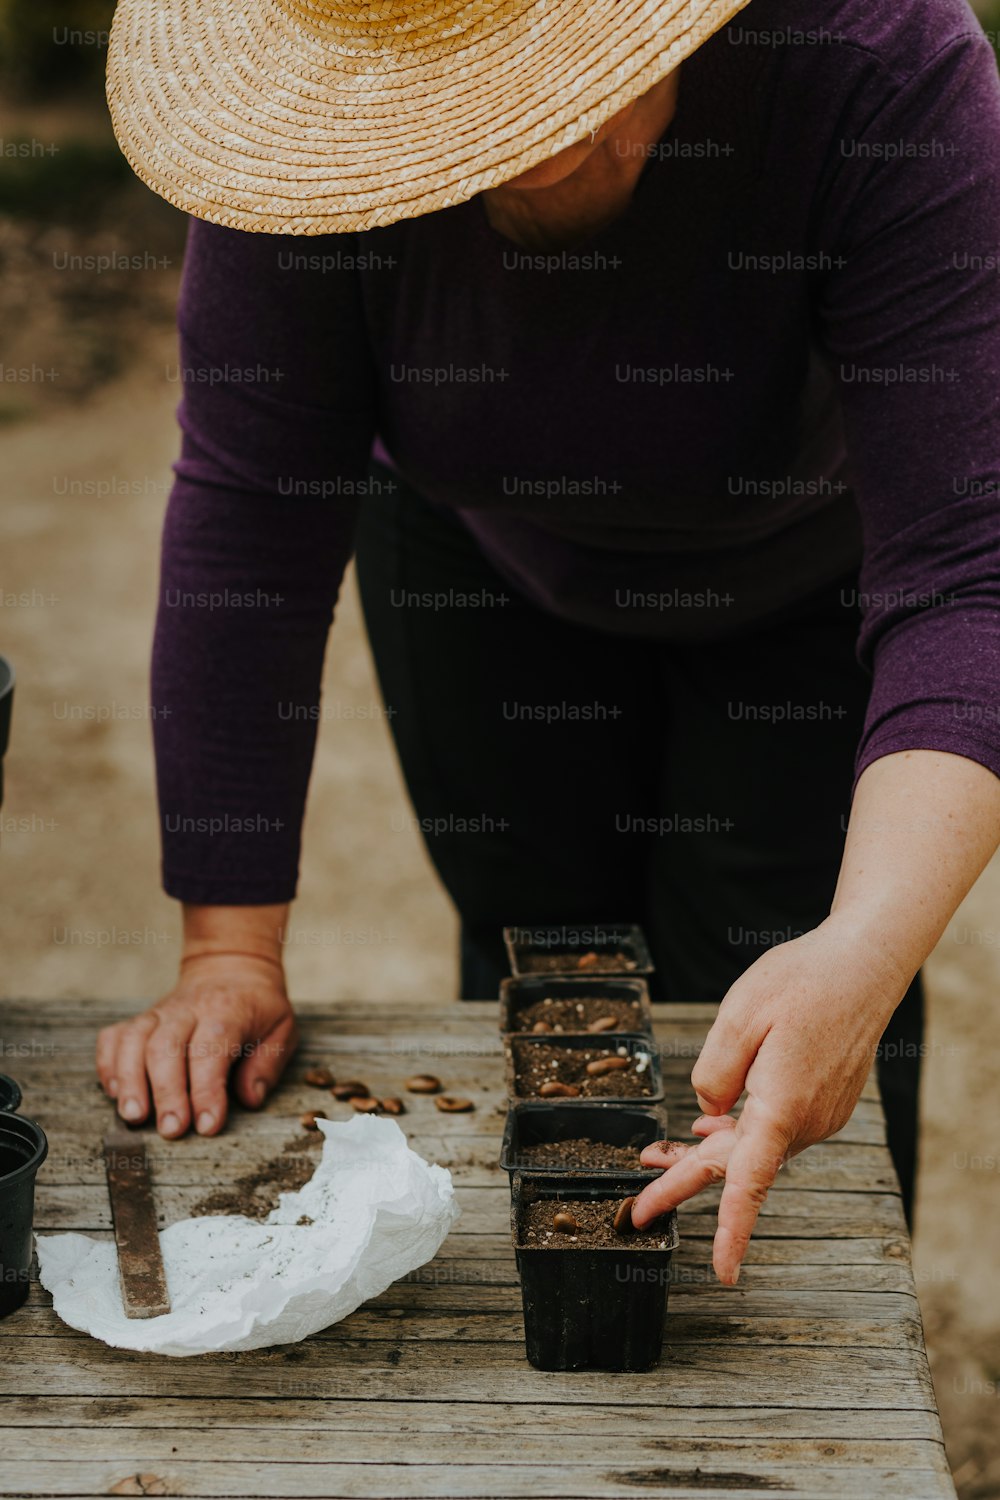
(593, 195)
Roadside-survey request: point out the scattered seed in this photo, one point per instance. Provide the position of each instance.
(565, 1223)
(602, 1065)
(309, 1119)
(450, 1105)
(350, 1090)
(423, 1083)
(541, 1026)
(319, 1078)
(588, 960)
(554, 1090)
(393, 1106)
(606, 1023)
(623, 1217)
(365, 1105)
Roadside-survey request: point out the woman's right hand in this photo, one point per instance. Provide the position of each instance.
(228, 1012)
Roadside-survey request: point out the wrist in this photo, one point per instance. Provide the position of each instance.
(875, 942)
(235, 931)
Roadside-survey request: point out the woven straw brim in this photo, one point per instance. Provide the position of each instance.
(312, 116)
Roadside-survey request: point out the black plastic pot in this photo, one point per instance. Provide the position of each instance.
(558, 949)
(517, 994)
(10, 1094)
(531, 1124)
(591, 1309)
(23, 1148)
(6, 707)
(610, 1040)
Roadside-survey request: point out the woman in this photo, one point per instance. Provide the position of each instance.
(647, 359)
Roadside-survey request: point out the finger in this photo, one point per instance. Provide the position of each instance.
(699, 1168)
(166, 1065)
(757, 1152)
(663, 1153)
(105, 1058)
(215, 1046)
(719, 1075)
(258, 1074)
(709, 1124)
(130, 1064)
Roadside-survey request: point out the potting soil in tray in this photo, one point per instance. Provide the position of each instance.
(578, 1153)
(536, 1063)
(596, 1231)
(578, 1012)
(578, 963)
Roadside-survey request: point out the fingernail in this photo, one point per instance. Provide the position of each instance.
(736, 1274)
(206, 1122)
(169, 1125)
(112, 1086)
(258, 1091)
(132, 1110)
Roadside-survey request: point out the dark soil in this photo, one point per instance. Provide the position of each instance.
(591, 962)
(596, 1232)
(578, 1153)
(536, 1063)
(256, 1194)
(576, 1012)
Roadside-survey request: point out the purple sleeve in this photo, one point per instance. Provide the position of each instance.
(911, 320)
(277, 419)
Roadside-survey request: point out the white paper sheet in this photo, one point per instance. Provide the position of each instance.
(378, 1211)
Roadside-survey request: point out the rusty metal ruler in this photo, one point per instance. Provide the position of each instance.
(140, 1263)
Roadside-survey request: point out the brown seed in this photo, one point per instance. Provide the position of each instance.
(565, 1223)
(623, 1217)
(541, 1026)
(319, 1078)
(350, 1090)
(588, 960)
(393, 1106)
(554, 1090)
(602, 1065)
(309, 1119)
(606, 1023)
(423, 1083)
(452, 1106)
(365, 1106)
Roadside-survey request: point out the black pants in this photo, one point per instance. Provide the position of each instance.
(562, 774)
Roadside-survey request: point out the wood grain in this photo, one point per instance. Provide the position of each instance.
(808, 1379)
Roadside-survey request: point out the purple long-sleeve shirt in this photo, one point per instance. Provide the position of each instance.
(782, 359)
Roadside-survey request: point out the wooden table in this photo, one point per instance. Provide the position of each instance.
(808, 1379)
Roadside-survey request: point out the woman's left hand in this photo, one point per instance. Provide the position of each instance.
(799, 1031)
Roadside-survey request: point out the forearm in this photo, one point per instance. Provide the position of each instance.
(923, 826)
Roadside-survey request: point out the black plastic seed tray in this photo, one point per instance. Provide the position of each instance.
(532, 1124)
(587, 1308)
(584, 949)
(516, 995)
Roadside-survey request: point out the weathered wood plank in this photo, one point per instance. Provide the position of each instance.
(604, 1419)
(276, 1444)
(452, 1370)
(61, 1207)
(565, 1481)
(472, 1160)
(876, 1321)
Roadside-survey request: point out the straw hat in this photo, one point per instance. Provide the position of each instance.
(317, 116)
